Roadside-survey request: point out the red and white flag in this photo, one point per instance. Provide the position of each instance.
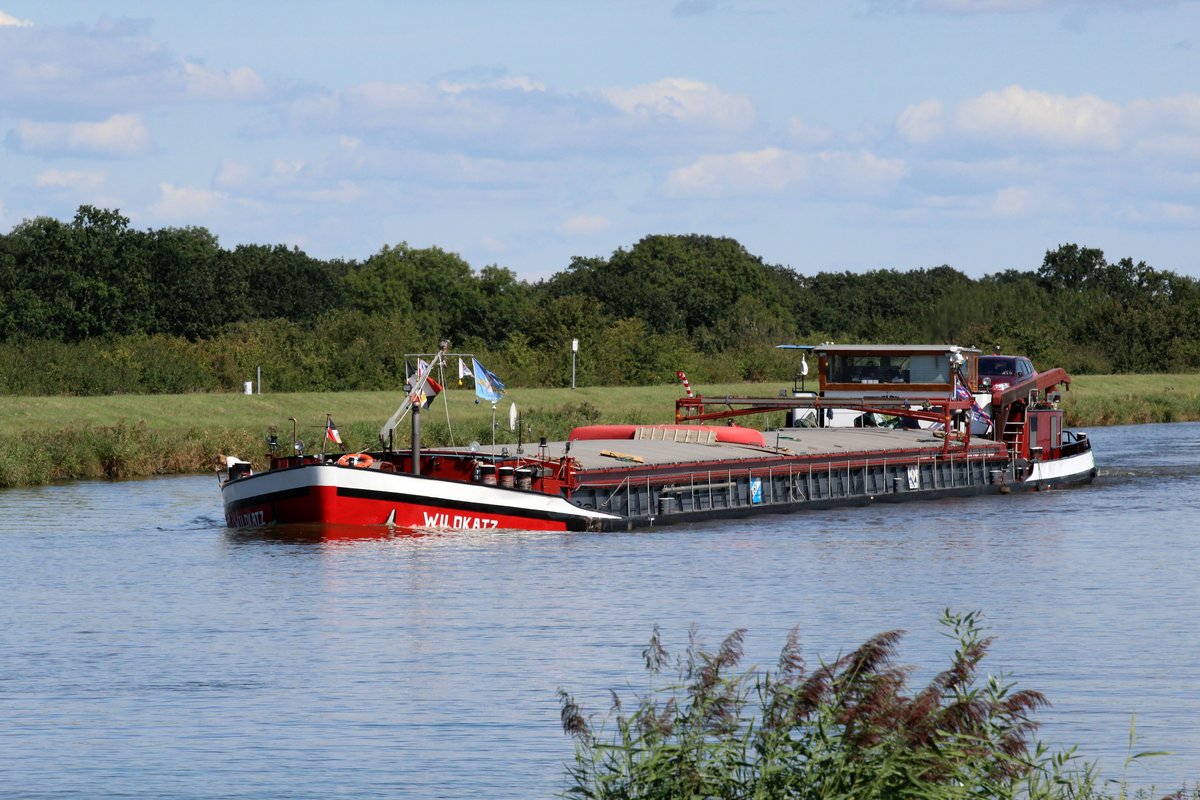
(431, 389)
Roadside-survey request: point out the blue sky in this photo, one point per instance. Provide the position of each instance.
(823, 136)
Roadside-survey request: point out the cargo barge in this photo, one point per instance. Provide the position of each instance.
(619, 477)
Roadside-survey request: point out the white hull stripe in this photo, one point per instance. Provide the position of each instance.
(1062, 468)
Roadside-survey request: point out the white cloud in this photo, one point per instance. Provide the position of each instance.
(1018, 117)
(340, 193)
(1005, 203)
(71, 179)
(768, 171)
(520, 83)
(292, 180)
(921, 122)
(1018, 113)
(774, 170)
(114, 66)
(977, 170)
(1182, 110)
(278, 174)
(1178, 213)
(1013, 201)
(683, 100)
(242, 83)
(516, 116)
(368, 105)
(119, 136)
(859, 172)
(9, 21)
(1167, 126)
(805, 135)
(286, 171)
(233, 174)
(187, 202)
(391, 107)
(1169, 146)
(585, 225)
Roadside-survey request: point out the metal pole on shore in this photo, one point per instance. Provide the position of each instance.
(574, 350)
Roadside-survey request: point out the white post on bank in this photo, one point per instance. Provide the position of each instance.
(574, 350)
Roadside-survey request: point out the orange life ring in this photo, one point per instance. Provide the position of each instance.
(360, 460)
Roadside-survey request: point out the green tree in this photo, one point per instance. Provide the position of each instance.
(196, 291)
(503, 307)
(284, 283)
(435, 290)
(114, 289)
(681, 284)
(1072, 267)
(69, 282)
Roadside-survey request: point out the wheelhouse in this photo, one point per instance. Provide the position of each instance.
(895, 370)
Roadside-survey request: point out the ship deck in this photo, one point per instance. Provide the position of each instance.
(799, 443)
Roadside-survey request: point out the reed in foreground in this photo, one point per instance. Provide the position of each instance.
(843, 729)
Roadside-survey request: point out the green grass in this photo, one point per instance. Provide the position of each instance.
(349, 409)
(48, 439)
(1096, 400)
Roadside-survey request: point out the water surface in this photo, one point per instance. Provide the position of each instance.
(148, 651)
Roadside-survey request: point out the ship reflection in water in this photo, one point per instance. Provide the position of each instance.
(318, 533)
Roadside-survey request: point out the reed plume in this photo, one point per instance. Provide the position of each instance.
(849, 728)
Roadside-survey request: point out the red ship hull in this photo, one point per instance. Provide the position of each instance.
(327, 493)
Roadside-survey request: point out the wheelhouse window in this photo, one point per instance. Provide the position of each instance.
(887, 369)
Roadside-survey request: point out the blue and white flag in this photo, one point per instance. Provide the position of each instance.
(487, 386)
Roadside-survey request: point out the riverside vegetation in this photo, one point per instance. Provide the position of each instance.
(92, 306)
(849, 728)
(47, 439)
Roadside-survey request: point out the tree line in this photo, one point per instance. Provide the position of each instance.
(94, 306)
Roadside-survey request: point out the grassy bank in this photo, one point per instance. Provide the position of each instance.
(1097, 400)
(48, 439)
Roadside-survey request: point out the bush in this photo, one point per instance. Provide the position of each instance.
(845, 729)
